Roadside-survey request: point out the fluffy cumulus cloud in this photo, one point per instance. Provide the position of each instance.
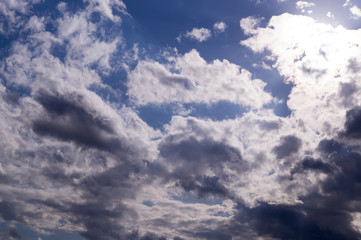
(76, 159)
(302, 62)
(331, 91)
(220, 26)
(189, 78)
(304, 5)
(198, 34)
(355, 12)
(249, 24)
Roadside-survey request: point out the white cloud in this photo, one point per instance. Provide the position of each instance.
(245, 134)
(249, 24)
(36, 24)
(330, 15)
(84, 49)
(347, 3)
(356, 12)
(73, 161)
(199, 34)
(196, 81)
(303, 5)
(220, 26)
(106, 8)
(14, 11)
(301, 56)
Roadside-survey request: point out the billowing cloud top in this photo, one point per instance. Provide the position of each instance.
(112, 131)
(196, 81)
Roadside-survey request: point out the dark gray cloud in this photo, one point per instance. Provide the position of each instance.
(311, 164)
(175, 81)
(298, 222)
(191, 158)
(103, 196)
(67, 121)
(353, 124)
(269, 125)
(313, 71)
(211, 235)
(202, 185)
(324, 214)
(11, 211)
(289, 144)
(347, 91)
(11, 97)
(10, 233)
(13, 233)
(134, 235)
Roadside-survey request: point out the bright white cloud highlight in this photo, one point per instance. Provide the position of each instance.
(322, 61)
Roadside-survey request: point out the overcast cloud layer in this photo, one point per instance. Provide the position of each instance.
(107, 132)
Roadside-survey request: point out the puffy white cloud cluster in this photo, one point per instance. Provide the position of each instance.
(249, 24)
(321, 61)
(220, 26)
(189, 78)
(355, 11)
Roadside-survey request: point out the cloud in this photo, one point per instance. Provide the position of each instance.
(355, 12)
(13, 12)
(67, 155)
(325, 213)
(203, 34)
(67, 136)
(330, 15)
(193, 81)
(107, 8)
(289, 144)
(249, 24)
(75, 161)
(220, 26)
(83, 48)
(302, 63)
(347, 3)
(303, 5)
(198, 34)
(192, 158)
(69, 122)
(310, 164)
(352, 124)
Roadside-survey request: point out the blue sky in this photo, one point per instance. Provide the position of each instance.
(139, 119)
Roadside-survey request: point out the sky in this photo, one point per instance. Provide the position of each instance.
(182, 119)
